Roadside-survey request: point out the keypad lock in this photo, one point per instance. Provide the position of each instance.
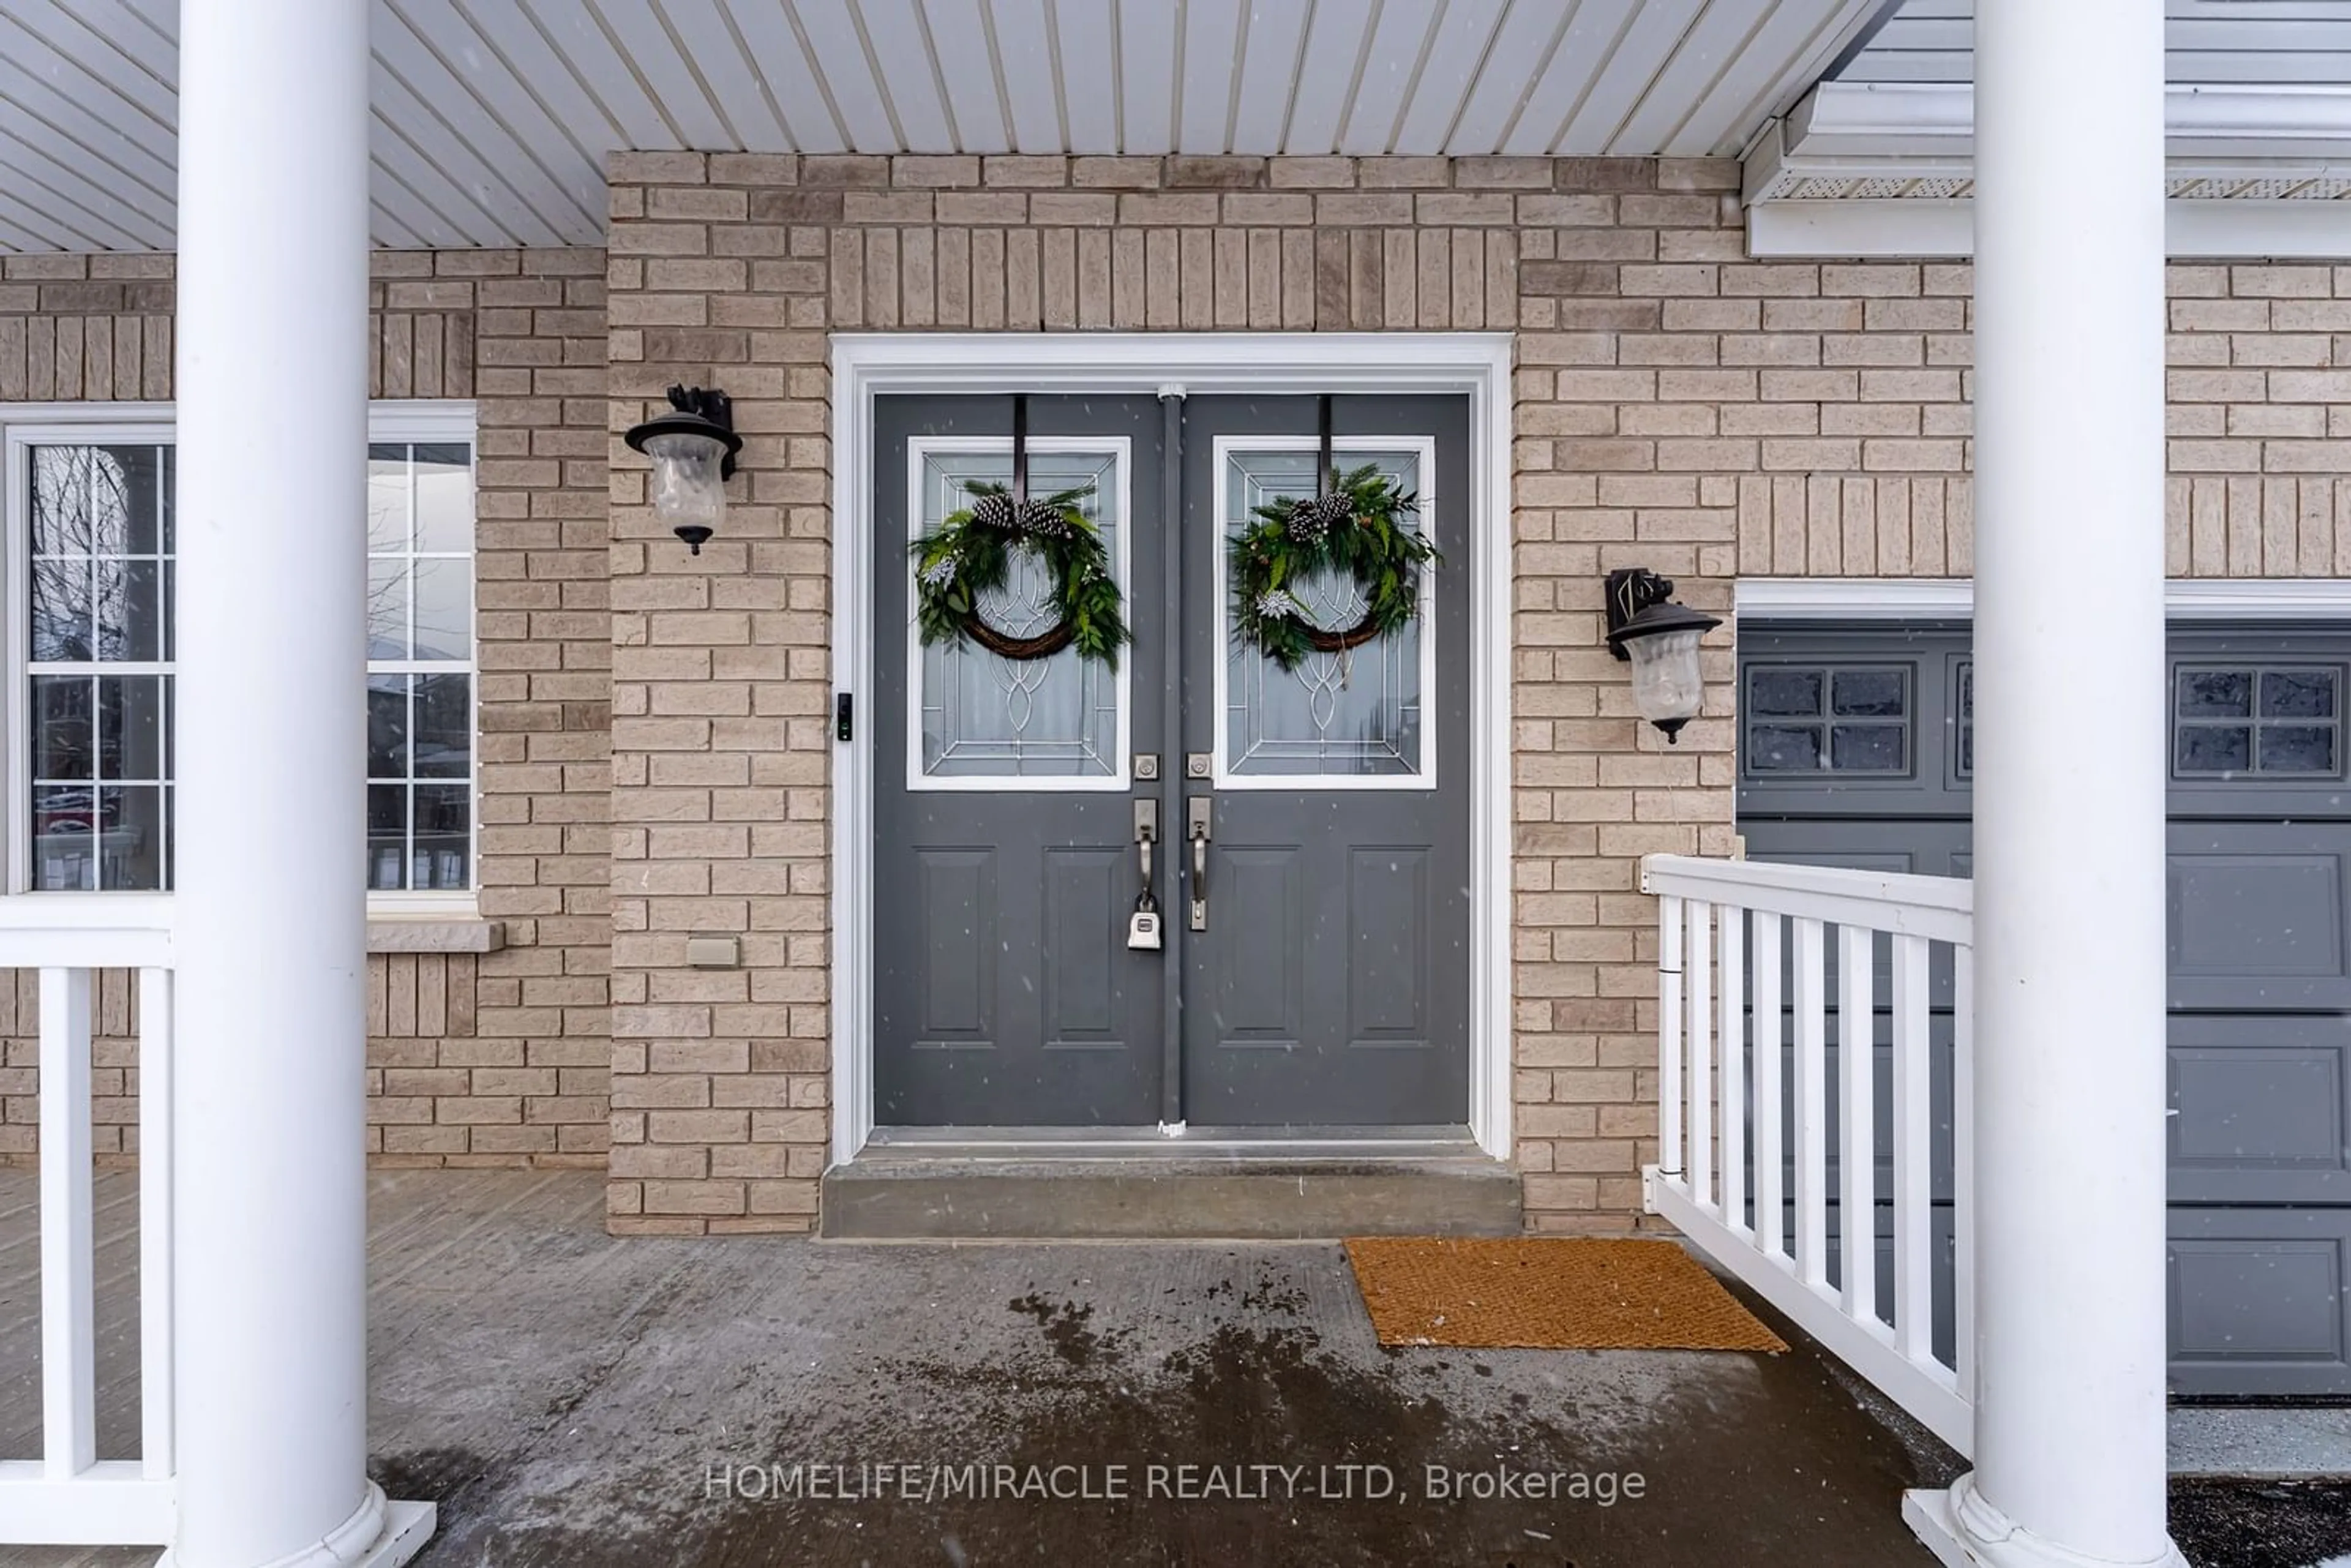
(1143, 929)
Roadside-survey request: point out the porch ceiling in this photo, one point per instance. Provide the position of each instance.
(491, 115)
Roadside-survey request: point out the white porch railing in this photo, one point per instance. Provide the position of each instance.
(68, 1496)
(1752, 1166)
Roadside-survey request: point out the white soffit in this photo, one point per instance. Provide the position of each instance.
(1886, 169)
(492, 117)
(1879, 161)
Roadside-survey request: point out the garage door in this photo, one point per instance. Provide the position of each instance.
(1857, 750)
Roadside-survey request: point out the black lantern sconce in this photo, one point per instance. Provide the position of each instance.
(1660, 638)
(692, 449)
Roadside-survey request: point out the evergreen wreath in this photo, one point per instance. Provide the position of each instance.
(971, 554)
(1355, 530)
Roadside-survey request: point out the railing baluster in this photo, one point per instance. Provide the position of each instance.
(1697, 975)
(68, 1317)
(1730, 964)
(1720, 1075)
(1857, 1119)
(1770, 1149)
(1914, 1188)
(155, 1370)
(1963, 1167)
(1669, 1038)
(1811, 1129)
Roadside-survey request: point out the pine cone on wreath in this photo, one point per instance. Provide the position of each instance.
(1042, 520)
(1310, 519)
(992, 511)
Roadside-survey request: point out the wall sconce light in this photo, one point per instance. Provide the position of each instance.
(1661, 639)
(692, 449)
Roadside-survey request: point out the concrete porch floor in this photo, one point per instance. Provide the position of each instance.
(565, 1398)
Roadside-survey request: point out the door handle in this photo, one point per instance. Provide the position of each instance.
(1146, 831)
(1198, 812)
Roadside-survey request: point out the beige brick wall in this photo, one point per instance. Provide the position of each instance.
(1677, 406)
(1711, 417)
(500, 1058)
(732, 269)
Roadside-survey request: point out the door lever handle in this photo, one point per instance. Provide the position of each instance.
(1198, 811)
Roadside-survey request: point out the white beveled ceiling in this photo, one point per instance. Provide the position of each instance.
(491, 117)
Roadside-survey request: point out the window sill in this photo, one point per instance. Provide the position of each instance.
(435, 933)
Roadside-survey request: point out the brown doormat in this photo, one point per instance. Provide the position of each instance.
(1548, 1293)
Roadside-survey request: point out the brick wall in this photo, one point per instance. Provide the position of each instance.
(501, 1058)
(1676, 406)
(1686, 409)
(732, 268)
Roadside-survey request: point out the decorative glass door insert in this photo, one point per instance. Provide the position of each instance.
(1356, 719)
(979, 718)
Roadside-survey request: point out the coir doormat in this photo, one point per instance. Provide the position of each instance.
(1548, 1293)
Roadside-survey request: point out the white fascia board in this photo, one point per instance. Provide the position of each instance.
(1912, 599)
(1881, 120)
(1908, 230)
(1772, 169)
(1912, 230)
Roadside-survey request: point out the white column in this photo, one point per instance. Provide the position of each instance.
(270, 1211)
(2069, 793)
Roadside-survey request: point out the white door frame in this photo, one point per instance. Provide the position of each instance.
(1474, 364)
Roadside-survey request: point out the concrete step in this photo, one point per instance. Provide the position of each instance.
(901, 1197)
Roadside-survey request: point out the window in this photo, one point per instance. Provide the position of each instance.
(420, 667)
(89, 623)
(1827, 719)
(99, 665)
(2277, 721)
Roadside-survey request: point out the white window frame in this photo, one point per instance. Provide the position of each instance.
(24, 426)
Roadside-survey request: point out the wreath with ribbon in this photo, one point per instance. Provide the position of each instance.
(971, 555)
(1353, 528)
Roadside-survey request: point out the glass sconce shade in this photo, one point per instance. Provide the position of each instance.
(687, 491)
(1660, 638)
(692, 450)
(1666, 690)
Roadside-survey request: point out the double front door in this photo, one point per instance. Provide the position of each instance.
(1308, 828)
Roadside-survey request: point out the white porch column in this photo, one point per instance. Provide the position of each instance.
(2069, 794)
(270, 1211)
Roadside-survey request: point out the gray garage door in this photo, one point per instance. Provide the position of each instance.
(1857, 748)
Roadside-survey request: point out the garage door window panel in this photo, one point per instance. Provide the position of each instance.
(1828, 719)
(2260, 721)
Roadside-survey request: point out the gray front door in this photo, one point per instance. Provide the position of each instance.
(1857, 748)
(1327, 984)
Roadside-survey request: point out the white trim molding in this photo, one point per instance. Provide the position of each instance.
(1881, 598)
(1886, 169)
(1472, 364)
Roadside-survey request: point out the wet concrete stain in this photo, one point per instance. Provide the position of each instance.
(1357, 1432)
(1065, 1327)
